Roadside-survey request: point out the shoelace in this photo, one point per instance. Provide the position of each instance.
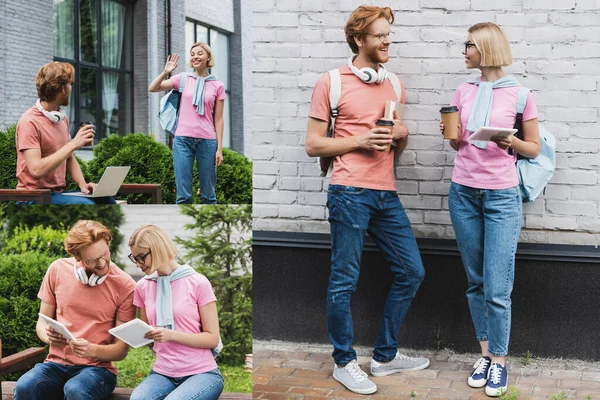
(402, 357)
(356, 373)
(480, 366)
(495, 373)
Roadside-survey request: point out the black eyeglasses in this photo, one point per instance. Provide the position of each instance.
(467, 45)
(138, 260)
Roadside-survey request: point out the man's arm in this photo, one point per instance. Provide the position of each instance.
(103, 352)
(39, 166)
(74, 169)
(317, 145)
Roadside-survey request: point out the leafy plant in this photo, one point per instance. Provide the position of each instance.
(526, 358)
(61, 217)
(221, 250)
(512, 394)
(560, 396)
(39, 239)
(413, 394)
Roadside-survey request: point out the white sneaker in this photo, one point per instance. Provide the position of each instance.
(398, 364)
(354, 378)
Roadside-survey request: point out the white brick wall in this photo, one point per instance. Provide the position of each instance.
(556, 46)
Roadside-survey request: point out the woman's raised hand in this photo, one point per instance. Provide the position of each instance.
(171, 64)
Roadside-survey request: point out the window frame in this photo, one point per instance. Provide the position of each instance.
(99, 68)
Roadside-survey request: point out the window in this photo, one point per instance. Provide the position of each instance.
(95, 36)
(219, 43)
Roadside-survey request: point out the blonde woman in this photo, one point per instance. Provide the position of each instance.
(181, 305)
(199, 133)
(485, 200)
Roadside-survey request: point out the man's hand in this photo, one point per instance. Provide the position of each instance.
(399, 131)
(375, 139)
(502, 142)
(84, 137)
(82, 348)
(219, 158)
(88, 188)
(159, 335)
(55, 338)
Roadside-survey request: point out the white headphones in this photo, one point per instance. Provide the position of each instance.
(368, 75)
(54, 116)
(81, 276)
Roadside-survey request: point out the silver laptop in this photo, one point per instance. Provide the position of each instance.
(109, 184)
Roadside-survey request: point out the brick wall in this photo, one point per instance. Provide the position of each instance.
(26, 43)
(216, 13)
(556, 47)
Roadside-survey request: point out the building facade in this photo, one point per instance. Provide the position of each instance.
(117, 48)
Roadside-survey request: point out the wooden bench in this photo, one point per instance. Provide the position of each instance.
(42, 196)
(24, 359)
(123, 394)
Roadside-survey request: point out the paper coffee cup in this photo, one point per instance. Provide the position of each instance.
(450, 120)
(388, 124)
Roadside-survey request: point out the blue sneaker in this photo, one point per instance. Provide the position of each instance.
(497, 381)
(479, 376)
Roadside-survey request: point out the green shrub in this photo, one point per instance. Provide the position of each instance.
(20, 279)
(8, 155)
(39, 239)
(61, 217)
(234, 179)
(150, 162)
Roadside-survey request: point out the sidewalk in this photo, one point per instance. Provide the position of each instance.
(303, 371)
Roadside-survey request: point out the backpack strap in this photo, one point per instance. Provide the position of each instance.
(335, 92)
(184, 76)
(521, 103)
(396, 84)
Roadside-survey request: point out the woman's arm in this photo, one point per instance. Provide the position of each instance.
(219, 128)
(207, 339)
(530, 145)
(159, 83)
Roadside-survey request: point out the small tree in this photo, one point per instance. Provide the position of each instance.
(221, 251)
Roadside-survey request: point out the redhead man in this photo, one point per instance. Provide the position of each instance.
(45, 151)
(362, 197)
(89, 295)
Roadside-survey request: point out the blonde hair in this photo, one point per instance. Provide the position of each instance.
(210, 62)
(359, 21)
(83, 234)
(51, 78)
(156, 240)
(492, 43)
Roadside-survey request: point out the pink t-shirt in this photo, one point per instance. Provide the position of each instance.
(189, 293)
(87, 312)
(360, 106)
(492, 167)
(191, 123)
(35, 131)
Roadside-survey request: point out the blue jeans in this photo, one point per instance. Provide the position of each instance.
(59, 198)
(353, 212)
(185, 150)
(205, 386)
(50, 380)
(487, 225)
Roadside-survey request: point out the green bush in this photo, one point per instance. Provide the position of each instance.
(20, 279)
(8, 155)
(234, 179)
(39, 239)
(61, 217)
(150, 162)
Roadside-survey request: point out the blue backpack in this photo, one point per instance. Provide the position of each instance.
(534, 173)
(168, 113)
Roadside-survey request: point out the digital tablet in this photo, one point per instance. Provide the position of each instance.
(57, 326)
(488, 132)
(132, 333)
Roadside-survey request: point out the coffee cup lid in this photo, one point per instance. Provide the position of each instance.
(449, 109)
(384, 122)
